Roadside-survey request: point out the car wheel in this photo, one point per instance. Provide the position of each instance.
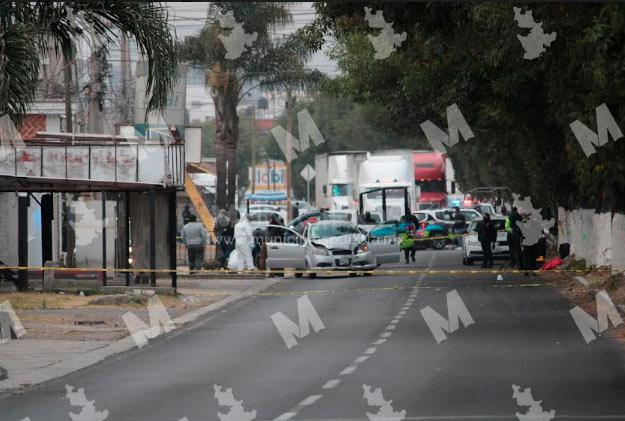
(439, 244)
(469, 262)
(311, 275)
(298, 274)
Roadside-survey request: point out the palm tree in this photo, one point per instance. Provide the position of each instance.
(268, 62)
(25, 26)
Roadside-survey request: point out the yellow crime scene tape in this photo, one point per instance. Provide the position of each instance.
(305, 271)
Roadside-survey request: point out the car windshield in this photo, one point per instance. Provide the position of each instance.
(336, 216)
(470, 216)
(390, 194)
(499, 225)
(319, 231)
(445, 215)
(341, 190)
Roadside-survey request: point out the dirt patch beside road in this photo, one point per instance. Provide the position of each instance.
(585, 296)
(74, 317)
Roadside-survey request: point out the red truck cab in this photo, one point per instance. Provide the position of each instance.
(429, 175)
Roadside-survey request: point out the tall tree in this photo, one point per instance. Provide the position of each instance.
(26, 26)
(519, 109)
(259, 58)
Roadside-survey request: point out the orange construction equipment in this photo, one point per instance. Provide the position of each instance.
(198, 203)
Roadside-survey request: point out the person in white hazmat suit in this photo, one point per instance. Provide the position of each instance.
(244, 241)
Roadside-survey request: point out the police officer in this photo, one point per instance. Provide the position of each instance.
(487, 236)
(514, 238)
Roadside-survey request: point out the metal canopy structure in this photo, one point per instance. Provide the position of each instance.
(75, 163)
(63, 162)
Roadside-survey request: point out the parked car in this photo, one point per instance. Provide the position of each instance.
(434, 235)
(425, 216)
(328, 245)
(446, 216)
(472, 249)
(485, 208)
(260, 219)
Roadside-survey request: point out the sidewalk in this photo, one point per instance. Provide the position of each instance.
(63, 340)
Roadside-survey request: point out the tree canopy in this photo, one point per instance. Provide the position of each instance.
(26, 26)
(519, 109)
(270, 61)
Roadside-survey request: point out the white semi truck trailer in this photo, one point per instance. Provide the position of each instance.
(336, 181)
(392, 170)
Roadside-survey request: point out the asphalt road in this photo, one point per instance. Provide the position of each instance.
(374, 335)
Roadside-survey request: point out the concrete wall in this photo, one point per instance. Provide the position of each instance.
(140, 229)
(8, 228)
(597, 237)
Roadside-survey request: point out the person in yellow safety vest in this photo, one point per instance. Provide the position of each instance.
(408, 226)
(408, 245)
(508, 225)
(514, 238)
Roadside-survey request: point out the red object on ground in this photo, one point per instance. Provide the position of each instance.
(552, 264)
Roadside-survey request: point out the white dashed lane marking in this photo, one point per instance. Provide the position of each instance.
(348, 370)
(286, 416)
(309, 400)
(331, 384)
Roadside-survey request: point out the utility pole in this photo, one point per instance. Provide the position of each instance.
(289, 148)
(254, 149)
(125, 56)
(95, 123)
(81, 119)
(67, 79)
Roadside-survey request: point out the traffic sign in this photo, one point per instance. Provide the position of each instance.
(308, 172)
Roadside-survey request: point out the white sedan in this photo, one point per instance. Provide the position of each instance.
(328, 245)
(260, 218)
(472, 249)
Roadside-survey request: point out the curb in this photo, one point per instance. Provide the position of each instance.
(127, 343)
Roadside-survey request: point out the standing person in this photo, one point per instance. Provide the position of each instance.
(460, 226)
(222, 225)
(504, 209)
(487, 236)
(194, 237)
(186, 212)
(244, 241)
(514, 238)
(295, 210)
(407, 237)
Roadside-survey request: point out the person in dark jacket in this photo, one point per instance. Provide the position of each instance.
(459, 228)
(487, 236)
(194, 237)
(514, 238)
